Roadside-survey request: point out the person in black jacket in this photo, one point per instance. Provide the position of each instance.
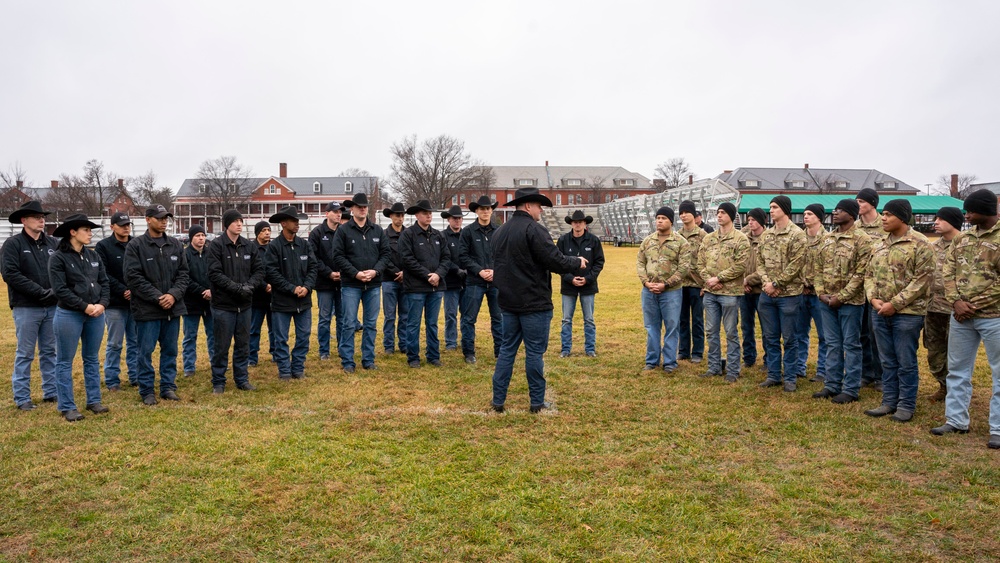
(81, 287)
(393, 303)
(475, 256)
(524, 255)
(424, 252)
(455, 279)
(580, 242)
(25, 269)
(327, 279)
(261, 302)
(197, 300)
(118, 316)
(234, 270)
(290, 268)
(361, 252)
(156, 271)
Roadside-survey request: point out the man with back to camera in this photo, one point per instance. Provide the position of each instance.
(662, 265)
(947, 224)
(870, 222)
(394, 325)
(426, 260)
(327, 279)
(580, 285)
(475, 255)
(455, 279)
(118, 316)
(197, 300)
(809, 313)
(692, 330)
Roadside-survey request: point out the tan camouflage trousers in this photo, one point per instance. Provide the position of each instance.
(936, 343)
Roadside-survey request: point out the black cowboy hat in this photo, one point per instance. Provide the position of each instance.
(74, 222)
(361, 200)
(422, 205)
(453, 211)
(32, 207)
(483, 201)
(396, 208)
(347, 204)
(578, 216)
(528, 195)
(287, 212)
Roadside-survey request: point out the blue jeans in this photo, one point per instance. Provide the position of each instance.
(661, 311)
(163, 332)
(33, 328)
(727, 309)
(330, 306)
(355, 297)
(472, 301)
(73, 328)
(809, 312)
(191, 338)
(533, 330)
(394, 311)
(898, 337)
(430, 305)
(234, 327)
(871, 369)
(452, 298)
(589, 328)
(842, 329)
(120, 324)
(963, 346)
(692, 330)
(778, 316)
(748, 314)
(294, 363)
(257, 318)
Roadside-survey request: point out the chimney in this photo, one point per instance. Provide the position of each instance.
(954, 185)
(121, 184)
(20, 184)
(546, 164)
(727, 171)
(690, 179)
(806, 166)
(54, 183)
(282, 170)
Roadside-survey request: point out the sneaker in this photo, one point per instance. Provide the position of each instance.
(731, 378)
(470, 359)
(435, 363)
(564, 355)
(170, 395)
(843, 399)
(97, 408)
(695, 359)
(789, 387)
(348, 369)
(414, 364)
(149, 400)
(246, 387)
(902, 415)
(299, 375)
(649, 367)
(668, 370)
(591, 354)
(454, 347)
(288, 377)
(881, 410)
(824, 394)
(497, 408)
(535, 409)
(994, 443)
(371, 367)
(114, 388)
(73, 415)
(949, 429)
(218, 389)
(28, 406)
(769, 383)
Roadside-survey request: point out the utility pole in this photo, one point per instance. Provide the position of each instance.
(928, 186)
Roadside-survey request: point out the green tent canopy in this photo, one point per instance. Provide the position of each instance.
(922, 204)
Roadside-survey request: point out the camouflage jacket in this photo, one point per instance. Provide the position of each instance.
(972, 271)
(750, 276)
(725, 257)
(840, 265)
(901, 272)
(780, 258)
(939, 304)
(665, 262)
(812, 249)
(873, 229)
(694, 237)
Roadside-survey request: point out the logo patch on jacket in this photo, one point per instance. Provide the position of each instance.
(174, 258)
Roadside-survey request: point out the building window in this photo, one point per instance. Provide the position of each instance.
(493, 198)
(348, 187)
(889, 185)
(232, 188)
(840, 185)
(317, 187)
(201, 188)
(272, 189)
(751, 184)
(574, 183)
(461, 200)
(799, 184)
(454, 200)
(525, 182)
(626, 182)
(607, 198)
(558, 199)
(614, 197)
(509, 197)
(472, 182)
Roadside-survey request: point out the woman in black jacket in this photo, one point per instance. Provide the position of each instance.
(81, 286)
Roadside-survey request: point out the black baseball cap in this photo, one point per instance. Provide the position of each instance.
(121, 219)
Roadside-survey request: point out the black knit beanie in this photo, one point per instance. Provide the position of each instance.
(229, 216)
(687, 206)
(666, 212)
(730, 209)
(784, 202)
(758, 215)
(952, 215)
(983, 202)
(195, 229)
(849, 206)
(869, 195)
(818, 210)
(260, 226)
(901, 208)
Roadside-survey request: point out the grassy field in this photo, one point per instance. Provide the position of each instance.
(405, 464)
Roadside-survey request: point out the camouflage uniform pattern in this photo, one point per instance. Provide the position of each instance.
(809, 269)
(840, 265)
(972, 271)
(725, 257)
(694, 237)
(781, 256)
(939, 304)
(751, 278)
(901, 273)
(665, 262)
(873, 229)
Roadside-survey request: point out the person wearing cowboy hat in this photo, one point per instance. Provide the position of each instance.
(393, 304)
(327, 279)
(426, 260)
(475, 256)
(580, 285)
(83, 292)
(455, 279)
(290, 268)
(118, 317)
(361, 252)
(156, 270)
(261, 302)
(25, 269)
(524, 259)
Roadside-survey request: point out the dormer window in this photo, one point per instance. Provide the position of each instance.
(574, 182)
(797, 184)
(202, 188)
(525, 182)
(272, 189)
(888, 185)
(751, 183)
(840, 185)
(472, 182)
(232, 188)
(317, 187)
(626, 182)
(348, 187)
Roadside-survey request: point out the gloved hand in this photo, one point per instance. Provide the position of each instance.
(49, 295)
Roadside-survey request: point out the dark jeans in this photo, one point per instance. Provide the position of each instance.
(871, 367)
(74, 328)
(898, 337)
(294, 363)
(33, 327)
(428, 306)
(452, 299)
(121, 325)
(533, 330)
(163, 332)
(234, 327)
(257, 318)
(394, 314)
(190, 344)
(748, 314)
(471, 303)
(808, 314)
(778, 316)
(355, 297)
(692, 330)
(330, 306)
(842, 327)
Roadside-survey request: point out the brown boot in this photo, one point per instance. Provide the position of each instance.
(939, 395)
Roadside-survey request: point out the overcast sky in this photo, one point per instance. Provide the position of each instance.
(908, 87)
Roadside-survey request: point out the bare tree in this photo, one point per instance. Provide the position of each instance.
(435, 169)
(673, 172)
(965, 182)
(89, 192)
(14, 174)
(10, 197)
(228, 184)
(145, 192)
(370, 184)
(598, 188)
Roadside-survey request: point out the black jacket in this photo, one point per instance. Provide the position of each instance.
(261, 298)
(321, 239)
(475, 251)
(287, 265)
(395, 264)
(153, 269)
(456, 273)
(198, 282)
(356, 249)
(112, 253)
(588, 246)
(79, 279)
(234, 270)
(25, 268)
(523, 256)
(423, 253)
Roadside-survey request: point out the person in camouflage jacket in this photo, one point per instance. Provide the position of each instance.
(662, 265)
(897, 285)
(692, 331)
(809, 313)
(947, 224)
(870, 222)
(756, 222)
